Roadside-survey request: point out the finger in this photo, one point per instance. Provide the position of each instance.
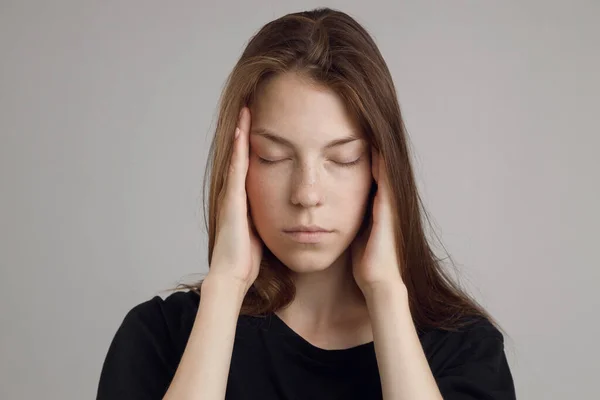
(239, 157)
(382, 178)
(375, 164)
(382, 174)
(251, 225)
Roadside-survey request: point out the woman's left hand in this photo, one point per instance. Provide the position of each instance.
(374, 252)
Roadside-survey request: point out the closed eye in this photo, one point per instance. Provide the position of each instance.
(341, 164)
(348, 164)
(265, 161)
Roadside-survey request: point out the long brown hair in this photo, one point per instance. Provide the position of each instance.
(331, 49)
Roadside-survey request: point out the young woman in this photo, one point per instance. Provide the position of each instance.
(322, 284)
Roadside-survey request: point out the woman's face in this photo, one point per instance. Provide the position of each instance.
(318, 172)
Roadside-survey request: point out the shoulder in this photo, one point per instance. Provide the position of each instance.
(452, 347)
(167, 321)
(175, 306)
(146, 349)
(470, 360)
(154, 332)
(472, 328)
(174, 311)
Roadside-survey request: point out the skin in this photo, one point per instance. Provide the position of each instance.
(307, 185)
(330, 278)
(310, 183)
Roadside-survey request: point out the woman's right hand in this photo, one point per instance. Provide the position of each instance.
(237, 252)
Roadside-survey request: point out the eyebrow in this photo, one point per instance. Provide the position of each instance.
(272, 136)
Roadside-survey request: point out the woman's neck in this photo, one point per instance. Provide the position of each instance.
(325, 299)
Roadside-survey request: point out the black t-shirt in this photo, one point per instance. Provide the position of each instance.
(270, 361)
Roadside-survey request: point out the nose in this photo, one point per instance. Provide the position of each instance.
(306, 190)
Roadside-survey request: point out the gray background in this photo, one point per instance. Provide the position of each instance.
(106, 109)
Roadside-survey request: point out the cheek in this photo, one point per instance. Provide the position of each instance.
(264, 192)
(355, 186)
(352, 195)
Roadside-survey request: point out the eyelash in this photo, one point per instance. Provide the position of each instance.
(345, 165)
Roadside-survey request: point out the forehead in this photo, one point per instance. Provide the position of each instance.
(301, 112)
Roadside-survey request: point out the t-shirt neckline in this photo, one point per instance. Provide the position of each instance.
(317, 353)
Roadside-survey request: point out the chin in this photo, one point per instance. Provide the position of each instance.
(305, 267)
(306, 258)
(303, 262)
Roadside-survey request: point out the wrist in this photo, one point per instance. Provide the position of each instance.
(384, 292)
(229, 287)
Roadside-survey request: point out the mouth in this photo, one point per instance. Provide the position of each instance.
(307, 233)
(306, 228)
(308, 236)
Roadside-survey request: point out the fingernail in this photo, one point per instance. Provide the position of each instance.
(237, 133)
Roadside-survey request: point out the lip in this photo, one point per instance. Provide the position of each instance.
(307, 236)
(306, 228)
(307, 233)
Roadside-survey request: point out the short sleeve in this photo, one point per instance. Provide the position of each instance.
(139, 362)
(480, 371)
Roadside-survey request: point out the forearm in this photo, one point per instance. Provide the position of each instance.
(403, 367)
(204, 367)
